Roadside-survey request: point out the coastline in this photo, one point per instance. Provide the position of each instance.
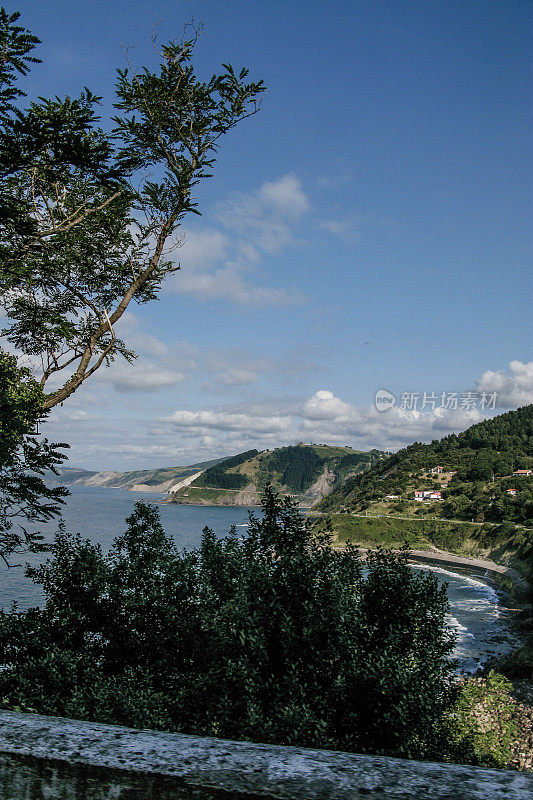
(207, 504)
(505, 577)
(508, 578)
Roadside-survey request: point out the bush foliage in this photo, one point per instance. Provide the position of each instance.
(482, 723)
(274, 637)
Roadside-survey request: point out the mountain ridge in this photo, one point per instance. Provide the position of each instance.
(308, 472)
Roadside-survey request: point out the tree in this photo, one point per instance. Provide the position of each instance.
(16, 44)
(480, 471)
(24, 497)
(274, 637)
(88, 217)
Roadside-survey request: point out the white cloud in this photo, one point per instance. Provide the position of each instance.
(285, 195)
(236, 366)
(74, 415)
(237, 376)
(321, 418)
(228, 283)
(203, 248)
(342, 227)
(513, 388)
(198, 432)
(161, 365)
(324, 405)
(217, 264)
(266, 218)
(325, 415)
(140, 376)
(203, 421)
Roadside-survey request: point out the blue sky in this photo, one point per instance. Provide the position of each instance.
(367, 229)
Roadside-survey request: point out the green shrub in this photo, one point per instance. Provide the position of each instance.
(276, 638)
(482, 723)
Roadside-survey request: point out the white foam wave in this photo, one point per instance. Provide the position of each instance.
(461, 630)
(477, 604)
(473, 583)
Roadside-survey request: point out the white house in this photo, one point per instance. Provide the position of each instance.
(422, 496)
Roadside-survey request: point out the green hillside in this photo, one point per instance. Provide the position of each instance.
(477, 515)
(308, 472)
(477, 472)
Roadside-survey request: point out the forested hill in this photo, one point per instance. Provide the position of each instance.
(308, 472)
(476, 482)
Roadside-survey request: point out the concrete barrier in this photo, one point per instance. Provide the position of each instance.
(49, 758)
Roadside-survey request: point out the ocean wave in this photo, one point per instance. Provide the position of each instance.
(473, 583)
(461, 630)
(477, 604)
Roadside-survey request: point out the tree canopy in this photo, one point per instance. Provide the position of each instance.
(89, 217)
(25, 499)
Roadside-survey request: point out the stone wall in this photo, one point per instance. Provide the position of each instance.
(44, 758)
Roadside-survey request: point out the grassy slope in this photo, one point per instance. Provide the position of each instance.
(463, 538)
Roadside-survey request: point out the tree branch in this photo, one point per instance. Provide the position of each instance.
(84, 369)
